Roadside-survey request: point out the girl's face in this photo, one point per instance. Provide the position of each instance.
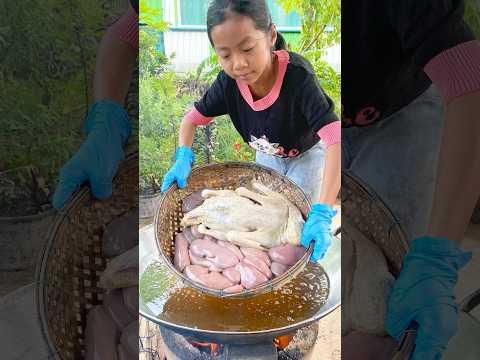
(244, 52)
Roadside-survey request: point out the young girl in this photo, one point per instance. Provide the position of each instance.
(276, 104)
(411, 99)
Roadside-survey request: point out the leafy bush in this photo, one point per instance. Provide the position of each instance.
(47, 56)
(160, 110)
(472, 15)
(151, 61)
(321, 29)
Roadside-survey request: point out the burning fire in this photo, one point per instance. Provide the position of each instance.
(213, 349)
(283, 341)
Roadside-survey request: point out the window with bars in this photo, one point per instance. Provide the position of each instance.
(193, 13)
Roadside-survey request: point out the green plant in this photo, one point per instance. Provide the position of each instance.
(321, 28)
(229, 145)
(47, 58)
(160, 111)
(151, 61)
(208, 68)
(321, 22)
(472, 15)
(151, 16)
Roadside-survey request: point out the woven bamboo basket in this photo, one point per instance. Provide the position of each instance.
(362, 208)
(69, 270)
(229, 175)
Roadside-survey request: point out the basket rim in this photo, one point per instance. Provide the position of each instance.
(396, 226)
(264, 288)
(40, 272)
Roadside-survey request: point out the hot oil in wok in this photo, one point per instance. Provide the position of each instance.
(298, 300)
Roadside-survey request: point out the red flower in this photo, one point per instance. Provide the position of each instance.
(237, 146)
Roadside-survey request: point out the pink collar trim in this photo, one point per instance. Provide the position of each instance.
(272, 96)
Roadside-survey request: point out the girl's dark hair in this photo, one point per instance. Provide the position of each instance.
(257, 10)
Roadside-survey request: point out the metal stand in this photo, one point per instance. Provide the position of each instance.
(263, 351)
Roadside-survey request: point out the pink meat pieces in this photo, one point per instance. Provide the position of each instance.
(121, 234)
(211, 238)
(235, 249)
(252, 252)
(205, 262)
(101, 335)
(218, 255)
(204, 248)
(187, 232)
(234, 289)
(300, 251)
(192, 201)
(210, 279)
(129, 340)
(181, 258)
(258, 264)
(232, 274)
(286, 254)
(277, 268)
(116, 308)
(250, 277)
(197, 234)
(130, 299)
(123, 354)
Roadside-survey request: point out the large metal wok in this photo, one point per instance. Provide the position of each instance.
(155, 311)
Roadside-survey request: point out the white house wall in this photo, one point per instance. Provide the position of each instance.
(190, 48)
(168, 7)
(333, 56)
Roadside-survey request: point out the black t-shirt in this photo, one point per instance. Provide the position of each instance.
(385, 45)
(287, 127)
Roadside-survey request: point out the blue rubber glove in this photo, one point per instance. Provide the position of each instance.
(424, 292)
(317, 229)
(180, 170)
(107, 128)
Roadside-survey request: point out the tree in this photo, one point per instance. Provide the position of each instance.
(151, 16)
(321, 29)
(321, 24)
(47, 58)
(472, 15)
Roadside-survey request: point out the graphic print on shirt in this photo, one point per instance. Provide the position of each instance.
(364, 117)
(264, 145)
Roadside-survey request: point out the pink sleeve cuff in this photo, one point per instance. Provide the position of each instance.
(331, 133)
(126, 28)
(195, 117)
(456, 71)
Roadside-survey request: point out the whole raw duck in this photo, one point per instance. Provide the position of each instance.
(262, 219)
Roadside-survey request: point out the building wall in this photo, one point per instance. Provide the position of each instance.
(190, 48)
(189, 42)
(333, 57)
